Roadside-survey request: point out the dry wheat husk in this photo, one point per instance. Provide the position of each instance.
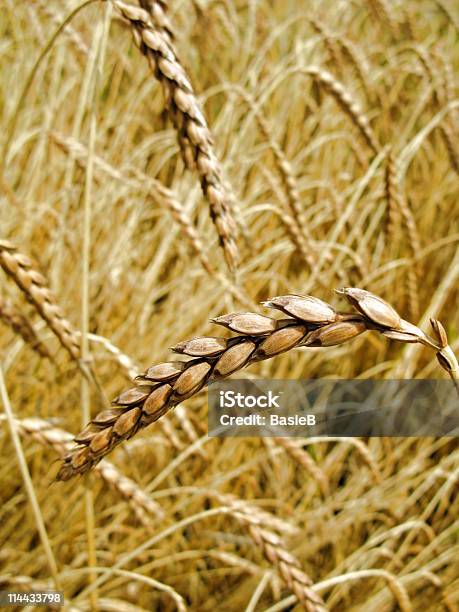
(310, 322)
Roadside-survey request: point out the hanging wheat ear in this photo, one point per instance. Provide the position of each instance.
(195, 139)
(310, 323)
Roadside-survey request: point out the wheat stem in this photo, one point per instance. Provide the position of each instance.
(28, 484)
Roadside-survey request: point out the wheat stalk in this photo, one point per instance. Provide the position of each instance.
(183, 106)
(311, 322)
(21, 325)
(73, 35)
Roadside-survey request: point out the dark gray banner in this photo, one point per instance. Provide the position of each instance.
(304, 408)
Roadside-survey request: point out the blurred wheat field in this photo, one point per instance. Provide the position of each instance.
(336, 128)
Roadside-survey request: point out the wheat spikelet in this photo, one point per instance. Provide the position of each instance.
(157, 11)
(346, 102)
(311, 322)
(357, 61)
(60, 440)
(329, 42)
(181, 98)
(20, 325)
(274, 550)
(20, 269)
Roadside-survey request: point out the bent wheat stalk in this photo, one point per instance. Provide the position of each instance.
(185, 110)
(310, 322)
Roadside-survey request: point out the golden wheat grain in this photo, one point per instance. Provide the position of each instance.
(310, 323)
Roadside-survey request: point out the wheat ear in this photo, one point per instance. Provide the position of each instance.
(21, 270)
(345, 100)
(310, 323)
(260, 525)
(158, 15)
(274, 550)
(183, 104)
(21, 325)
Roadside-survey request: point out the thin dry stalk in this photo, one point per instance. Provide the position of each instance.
(28, 484)
(346, 102)
(21, 270)
(392, 199)
(182, 104)
(21, 325)
(310, 323)
(446, 127)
